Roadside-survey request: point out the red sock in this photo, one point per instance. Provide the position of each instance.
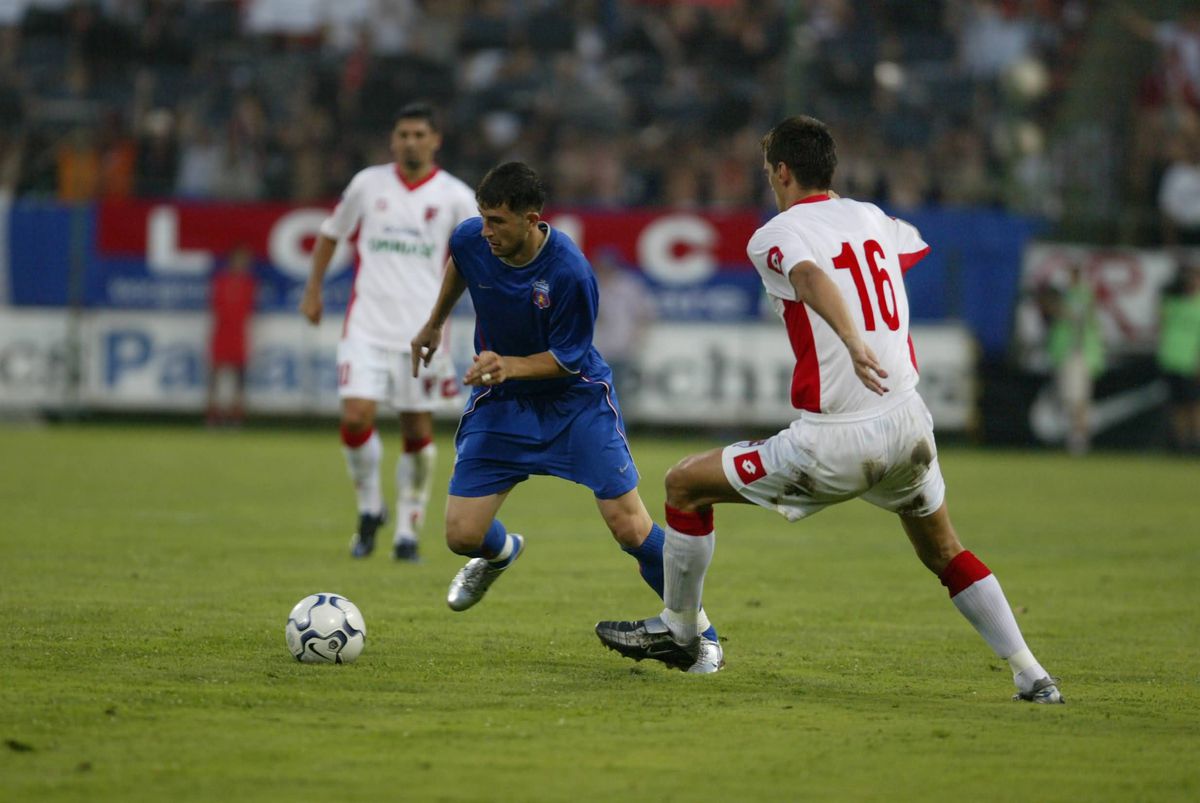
(962, 572)
(698, 523)
(356, 439)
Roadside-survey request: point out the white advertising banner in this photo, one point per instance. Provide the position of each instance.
(712, 375)
(36, 358)
(739, 374)
(1127, 284)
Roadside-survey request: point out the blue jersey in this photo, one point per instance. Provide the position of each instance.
(569, 427)
(548, 305)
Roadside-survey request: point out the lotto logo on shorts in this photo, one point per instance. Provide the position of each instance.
(749, 467)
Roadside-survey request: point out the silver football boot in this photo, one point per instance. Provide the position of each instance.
(711, 658)
(474, 579)
(1044, 691)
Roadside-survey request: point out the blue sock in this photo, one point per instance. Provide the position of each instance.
(650, 559)
(494, 542)
(650, 563)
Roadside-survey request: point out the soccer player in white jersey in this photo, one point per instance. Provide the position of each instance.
(833, 269)
(404, 213)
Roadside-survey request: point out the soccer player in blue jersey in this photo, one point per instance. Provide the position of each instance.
(542, 400)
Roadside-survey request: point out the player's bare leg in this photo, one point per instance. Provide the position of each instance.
(472, 529)
(674, 637)
(414, 479)
(238, 411)
(363, 450)
(976, 593)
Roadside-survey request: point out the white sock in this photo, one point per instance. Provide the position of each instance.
(685, 562)
(414, 481)
(984, 605)
(363, 464)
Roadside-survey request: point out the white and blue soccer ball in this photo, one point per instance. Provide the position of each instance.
(325, 629)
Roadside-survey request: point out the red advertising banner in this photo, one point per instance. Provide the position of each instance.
(671, 246)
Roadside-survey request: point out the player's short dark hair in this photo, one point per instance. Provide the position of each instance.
(805, 145)
(419, 110)
(512, 184)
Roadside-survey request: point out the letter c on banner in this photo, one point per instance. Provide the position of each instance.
(286, 245)
(677, 249)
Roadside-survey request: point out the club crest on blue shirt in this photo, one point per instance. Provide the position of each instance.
(541, 294)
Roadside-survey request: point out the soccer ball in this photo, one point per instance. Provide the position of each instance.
(325, 628)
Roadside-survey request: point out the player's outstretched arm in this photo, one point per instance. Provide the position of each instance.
(311, 303)
(429, 338)
(816, 290)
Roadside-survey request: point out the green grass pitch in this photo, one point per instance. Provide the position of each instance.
(146, 574)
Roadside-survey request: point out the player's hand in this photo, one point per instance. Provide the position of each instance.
(487, 369)
(424, 345)
(866, 366)
(311, 304)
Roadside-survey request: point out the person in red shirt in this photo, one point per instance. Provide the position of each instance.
(231, 301)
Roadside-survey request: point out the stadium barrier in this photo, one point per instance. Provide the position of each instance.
(690, 374)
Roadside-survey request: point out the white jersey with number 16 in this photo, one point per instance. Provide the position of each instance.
(866, 254)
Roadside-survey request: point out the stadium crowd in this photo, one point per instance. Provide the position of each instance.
(621, 102)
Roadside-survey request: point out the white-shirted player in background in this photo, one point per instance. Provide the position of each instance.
(833, 269)
(404, 213)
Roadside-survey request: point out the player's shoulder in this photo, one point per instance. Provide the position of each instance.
(453, 183)
(368, 176)
(471, 227)
(568, 253)
(375, 172)
(771, 230)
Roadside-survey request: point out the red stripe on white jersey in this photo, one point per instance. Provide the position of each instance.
(806, 378)
(908, 260)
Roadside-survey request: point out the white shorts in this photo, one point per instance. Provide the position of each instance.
(888, 457)
(1074, 380)
(368, 371)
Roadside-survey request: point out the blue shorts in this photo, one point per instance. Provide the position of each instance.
(578, 435)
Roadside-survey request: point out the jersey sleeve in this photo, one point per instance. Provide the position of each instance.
(573, 322)
(909, 244)
(775, 250)
(464, 205)
(459, 238)
(346, 214)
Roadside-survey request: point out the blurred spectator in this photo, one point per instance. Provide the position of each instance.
(994, 36)
(199, 158)
(12, 151)
(94, 162)
(118, 157)
(1179, 357)
(78, 164)
(1179, 192)
(158, 155)
(231, 303)
(626, 311)
(1176, 81)
(1077, 351)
